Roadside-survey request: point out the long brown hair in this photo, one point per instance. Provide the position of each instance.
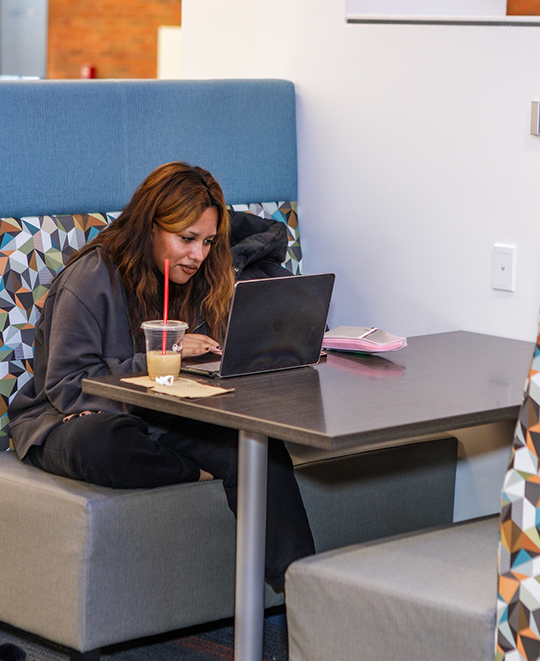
(173, 197)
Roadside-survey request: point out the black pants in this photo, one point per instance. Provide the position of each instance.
(115, 450)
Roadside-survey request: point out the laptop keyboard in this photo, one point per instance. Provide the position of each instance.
(211, 367)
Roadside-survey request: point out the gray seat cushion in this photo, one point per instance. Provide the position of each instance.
(423, 596)
(86, 566)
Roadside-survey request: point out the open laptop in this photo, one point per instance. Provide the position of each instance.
(274, 324)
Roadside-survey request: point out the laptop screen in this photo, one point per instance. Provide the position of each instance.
(276, 323)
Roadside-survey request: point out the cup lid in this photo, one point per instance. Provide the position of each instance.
(158, 324)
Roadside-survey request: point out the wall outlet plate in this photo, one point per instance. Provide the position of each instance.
(504, 267)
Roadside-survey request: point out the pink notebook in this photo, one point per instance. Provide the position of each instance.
(366, 340)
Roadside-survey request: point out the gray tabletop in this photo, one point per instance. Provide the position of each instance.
(437, 383)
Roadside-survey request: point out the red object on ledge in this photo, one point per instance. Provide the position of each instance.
(88, 71)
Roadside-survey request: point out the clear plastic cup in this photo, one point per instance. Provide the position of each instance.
(164, 347)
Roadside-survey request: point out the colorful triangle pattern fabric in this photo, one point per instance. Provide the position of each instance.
(32, 252)
(518, 601)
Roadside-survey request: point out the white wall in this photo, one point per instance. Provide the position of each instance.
(414, 155)
(168, 51)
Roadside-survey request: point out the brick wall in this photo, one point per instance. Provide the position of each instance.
(523, 7)
(118, 37)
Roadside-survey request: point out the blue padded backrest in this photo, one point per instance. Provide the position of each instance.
(84, 146)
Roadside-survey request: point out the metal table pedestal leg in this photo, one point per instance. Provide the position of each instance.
(250, 546)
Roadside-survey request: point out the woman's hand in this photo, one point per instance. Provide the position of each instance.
(197, 345)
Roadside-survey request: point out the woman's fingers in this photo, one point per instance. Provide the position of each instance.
(197, 345)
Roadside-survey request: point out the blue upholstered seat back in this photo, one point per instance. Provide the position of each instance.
(84, 146)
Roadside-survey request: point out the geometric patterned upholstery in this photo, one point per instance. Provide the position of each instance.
(518, 604)
(34, 249)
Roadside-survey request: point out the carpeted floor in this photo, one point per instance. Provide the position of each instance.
(203, 643)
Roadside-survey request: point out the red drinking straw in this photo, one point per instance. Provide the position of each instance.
(165, 307)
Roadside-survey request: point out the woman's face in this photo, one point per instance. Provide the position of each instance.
(188, 249)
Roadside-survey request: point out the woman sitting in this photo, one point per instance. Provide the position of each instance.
(91, 326)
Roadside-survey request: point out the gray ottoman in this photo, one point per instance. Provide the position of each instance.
(87, 566)
(422, 596)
